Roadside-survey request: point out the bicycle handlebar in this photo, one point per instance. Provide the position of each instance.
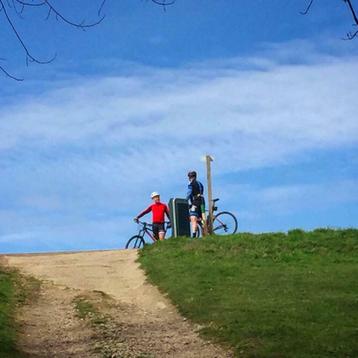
(147, 224)
(143, 223)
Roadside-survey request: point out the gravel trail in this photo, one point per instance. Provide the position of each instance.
(142, 322)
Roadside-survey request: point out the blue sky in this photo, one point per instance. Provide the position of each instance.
(130, 106)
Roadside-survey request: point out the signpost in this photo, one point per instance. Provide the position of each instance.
(209, 222)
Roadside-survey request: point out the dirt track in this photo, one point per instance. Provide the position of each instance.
(142, 321)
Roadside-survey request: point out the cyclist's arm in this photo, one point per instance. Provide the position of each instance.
(144, 212)
(167, 212)
(190, 192)
(201, 188)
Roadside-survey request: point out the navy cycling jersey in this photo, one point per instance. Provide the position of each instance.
(195, 191)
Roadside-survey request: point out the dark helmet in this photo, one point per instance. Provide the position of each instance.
(192, 174)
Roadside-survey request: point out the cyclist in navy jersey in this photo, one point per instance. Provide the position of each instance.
(195, 197)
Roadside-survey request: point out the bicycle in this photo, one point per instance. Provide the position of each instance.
(224, 222)
(138, 241)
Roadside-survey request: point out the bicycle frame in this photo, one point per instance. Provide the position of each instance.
(146, 230)
(217, 218)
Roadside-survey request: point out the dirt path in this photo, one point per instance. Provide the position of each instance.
(50, 327)
(140, 321)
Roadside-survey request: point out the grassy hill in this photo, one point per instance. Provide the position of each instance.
(267, 295)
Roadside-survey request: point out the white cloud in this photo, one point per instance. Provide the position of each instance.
(281, 111)
(287, 199)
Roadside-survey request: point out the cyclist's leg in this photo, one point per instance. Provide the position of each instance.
(194, 225)
(195, 214)
(156, 231)
(161, 231)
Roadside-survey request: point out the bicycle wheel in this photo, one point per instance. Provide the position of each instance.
(224, 223)
(135, 242)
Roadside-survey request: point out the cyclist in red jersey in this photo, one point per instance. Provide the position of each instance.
(159, 210)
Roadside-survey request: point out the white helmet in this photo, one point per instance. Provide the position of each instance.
(154, 194)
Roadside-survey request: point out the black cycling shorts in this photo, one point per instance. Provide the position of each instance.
(157, 228)
(195, 210)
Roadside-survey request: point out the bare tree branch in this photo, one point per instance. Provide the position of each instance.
(351, 8)
(18, 12)
(81, 25)
(101, 7)
(29, 56)
(164, 2)
(58, 14)
(2, 69)
(350, 35)
(18, 6)
(305, 12)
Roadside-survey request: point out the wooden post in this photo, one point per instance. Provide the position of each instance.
(209, 222)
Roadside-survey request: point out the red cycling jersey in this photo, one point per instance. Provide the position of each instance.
(158, 210)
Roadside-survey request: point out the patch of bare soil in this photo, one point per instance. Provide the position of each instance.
(49, 326)
(124, 330)
(132, 318)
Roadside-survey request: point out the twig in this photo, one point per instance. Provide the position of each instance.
(19, 38)
(351, 8)
(2, 69)
(305, 12)
(18, 6)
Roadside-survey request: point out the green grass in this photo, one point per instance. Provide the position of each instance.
(87, 309)
(84, 307)
(267, 295)
(14, 291)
